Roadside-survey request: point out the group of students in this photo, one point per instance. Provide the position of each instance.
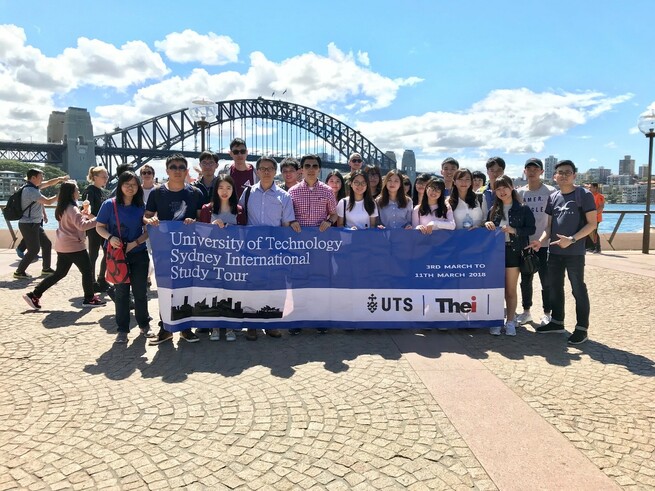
(537, 217)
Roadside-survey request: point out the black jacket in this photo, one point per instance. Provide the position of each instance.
(520, 218)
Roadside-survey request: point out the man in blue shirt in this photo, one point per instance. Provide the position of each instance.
(264, 203)
(174, 200)
(572, 216)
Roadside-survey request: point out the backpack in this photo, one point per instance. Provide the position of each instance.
(14, 209)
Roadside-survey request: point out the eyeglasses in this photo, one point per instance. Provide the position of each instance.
(207, 163)
(433, 190)
(177, 167)
(147, 173)
(267, 169)
(565, 173)
(358, 183)
(311, 166)
(243, 151)
(357, 161)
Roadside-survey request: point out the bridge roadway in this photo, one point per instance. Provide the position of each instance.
(349, 410)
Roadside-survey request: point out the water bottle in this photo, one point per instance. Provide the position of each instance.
(468, 221)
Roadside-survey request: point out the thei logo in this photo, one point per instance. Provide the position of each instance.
(450, 306)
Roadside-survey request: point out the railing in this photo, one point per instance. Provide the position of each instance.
(618, 222)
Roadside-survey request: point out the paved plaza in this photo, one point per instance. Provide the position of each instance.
(359, 410)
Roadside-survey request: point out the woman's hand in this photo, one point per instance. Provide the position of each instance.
(115, 242)
(131, 245)
(154, 221)
(535, 245)
(219, 222)
(490, 225)
(425, 229)
(508, 230)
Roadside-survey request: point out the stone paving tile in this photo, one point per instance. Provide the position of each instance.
(342, 411)
(600, 395)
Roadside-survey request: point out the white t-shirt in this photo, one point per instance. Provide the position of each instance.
(357, 217)
(466, 217)
(536, 200)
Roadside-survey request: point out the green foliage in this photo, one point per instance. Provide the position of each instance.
(49, 172)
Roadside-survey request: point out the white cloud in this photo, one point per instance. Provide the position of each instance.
(332, 83)
(506, 121)
(189, 46)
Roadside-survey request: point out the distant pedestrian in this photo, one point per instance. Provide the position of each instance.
(593, 239)
(572, 216)
(70, 245)
(95, 194)
(30, 224)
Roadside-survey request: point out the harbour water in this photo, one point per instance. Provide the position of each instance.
(633, 222)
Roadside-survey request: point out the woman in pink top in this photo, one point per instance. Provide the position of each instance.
(70, 245)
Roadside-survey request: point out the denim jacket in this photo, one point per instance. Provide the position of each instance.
(521, 219)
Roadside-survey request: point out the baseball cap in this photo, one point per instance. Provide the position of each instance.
(534, 161)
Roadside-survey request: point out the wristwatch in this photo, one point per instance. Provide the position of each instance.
(573, 240)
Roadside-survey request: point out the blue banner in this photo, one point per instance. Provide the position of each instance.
(273, 277)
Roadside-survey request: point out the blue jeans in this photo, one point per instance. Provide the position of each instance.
(559, 264)
(526, 283)
(138, 263)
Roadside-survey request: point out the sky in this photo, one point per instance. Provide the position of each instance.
(468, 80)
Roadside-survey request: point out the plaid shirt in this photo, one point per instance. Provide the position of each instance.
(312, 205)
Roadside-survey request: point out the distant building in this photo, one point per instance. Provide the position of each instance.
(549, 167)
(620, 180)
(643, 172)
(627, 166)
(9, 182)
(634, 193)
(599, 175)
(73, 128)
(409, 164)
(392, 156)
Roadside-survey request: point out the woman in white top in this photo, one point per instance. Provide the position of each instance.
(357, 211)
(467, 208)
(433, 212)
(394, 206)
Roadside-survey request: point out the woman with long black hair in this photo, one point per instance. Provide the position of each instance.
(120, 222)
(70, 245)
(357, 210)
(509, 214)
(433, 212)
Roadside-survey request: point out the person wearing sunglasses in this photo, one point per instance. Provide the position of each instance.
(174, 200)
(242, 173)
(355, 162)
(314, 204)
(147, 175)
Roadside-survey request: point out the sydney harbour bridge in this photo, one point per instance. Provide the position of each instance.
(269, 127)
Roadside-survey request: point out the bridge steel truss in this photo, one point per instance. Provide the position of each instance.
(164, 135)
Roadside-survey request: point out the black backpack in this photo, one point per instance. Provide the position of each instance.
(14, 209)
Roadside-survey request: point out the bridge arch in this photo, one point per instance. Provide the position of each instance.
(158, 137)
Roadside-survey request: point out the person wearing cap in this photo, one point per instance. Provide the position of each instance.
(571, 217)
(535, 195)
(448, 168)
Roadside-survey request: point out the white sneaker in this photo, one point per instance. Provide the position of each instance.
(545, 319)
(524, 318)
(495, 331)
(230, 336)
(510, 328)
(215, 335)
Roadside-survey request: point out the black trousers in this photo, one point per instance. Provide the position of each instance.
(35, 240)
(64, 262)
(95, 245)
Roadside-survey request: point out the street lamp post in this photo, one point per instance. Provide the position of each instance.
(203, 111)
(647, 127)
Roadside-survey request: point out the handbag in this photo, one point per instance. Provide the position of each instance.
(118, 271)
(529, 263)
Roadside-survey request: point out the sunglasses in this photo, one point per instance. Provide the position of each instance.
(177, 167)
(357, 161)
(311, 166)
(243, 151)
(146, 173)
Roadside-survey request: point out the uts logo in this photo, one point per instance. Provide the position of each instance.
(389, 303)
(372, 304)
(449, 305)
